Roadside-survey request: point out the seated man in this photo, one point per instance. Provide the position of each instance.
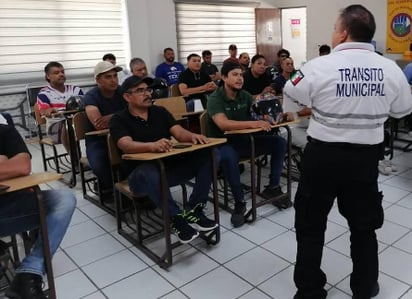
(228, 109)
(193, 83)
(53, 98)
(144, 127)
(169, 69)
(100, 104)
(138, 68)
(123, 74)
(208, 67)
(19, 212)
(287, 70)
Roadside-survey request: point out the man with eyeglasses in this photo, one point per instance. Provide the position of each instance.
(193, 83)
(100, 104)
(143, 127)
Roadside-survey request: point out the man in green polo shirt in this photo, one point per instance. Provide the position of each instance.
(228, 109)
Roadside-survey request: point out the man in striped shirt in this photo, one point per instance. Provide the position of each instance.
(351, 91)
(53, 98)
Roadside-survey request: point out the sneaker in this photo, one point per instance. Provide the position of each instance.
(183, 230)
(238, 215)
(26, 286)
(275, 194)
(197, 219)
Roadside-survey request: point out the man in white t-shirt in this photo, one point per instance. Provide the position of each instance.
(53, 98)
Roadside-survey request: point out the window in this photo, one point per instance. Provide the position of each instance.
(76, 33)
(214, 27)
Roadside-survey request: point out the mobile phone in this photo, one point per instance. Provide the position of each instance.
(3, 188)
(181, 145)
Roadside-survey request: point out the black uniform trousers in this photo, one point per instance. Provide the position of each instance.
(349, 173)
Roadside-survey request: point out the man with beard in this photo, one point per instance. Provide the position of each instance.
(228, 109)
(100, 104)
(52, 98)
(170, 69)
(147, 128)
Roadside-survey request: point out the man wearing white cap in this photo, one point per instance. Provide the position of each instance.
(100, 104)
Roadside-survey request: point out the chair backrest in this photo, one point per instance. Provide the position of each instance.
(202, 121)
(79, 122)
(32, 92)
(175, 105)
(39, 119)
(175, 91)
(114, 156)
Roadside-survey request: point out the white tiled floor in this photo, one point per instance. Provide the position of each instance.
(251, 262)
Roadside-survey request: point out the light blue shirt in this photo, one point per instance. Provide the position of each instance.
(408, 72)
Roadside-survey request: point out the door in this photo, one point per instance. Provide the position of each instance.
(268, 33)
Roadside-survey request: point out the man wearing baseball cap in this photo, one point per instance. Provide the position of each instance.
(100, 104)
(146, 128)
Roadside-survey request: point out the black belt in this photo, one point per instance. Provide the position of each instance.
(342, 144)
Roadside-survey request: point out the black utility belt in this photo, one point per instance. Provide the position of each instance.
(342, 144)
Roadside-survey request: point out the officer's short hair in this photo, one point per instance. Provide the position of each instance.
(358, 22)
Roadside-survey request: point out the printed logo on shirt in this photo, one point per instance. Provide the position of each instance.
(296, 77)
(359, 81)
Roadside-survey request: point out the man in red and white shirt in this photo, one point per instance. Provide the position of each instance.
(53, 98)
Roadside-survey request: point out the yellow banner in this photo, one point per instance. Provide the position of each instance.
(398, 31)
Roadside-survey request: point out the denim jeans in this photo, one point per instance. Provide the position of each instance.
(19, 212)
(145, 178)
(98, 157)
(239, 147)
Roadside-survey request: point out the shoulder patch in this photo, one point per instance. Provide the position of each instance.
(296, 77)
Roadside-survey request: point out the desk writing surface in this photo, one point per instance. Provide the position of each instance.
(194, 113)
(63, 113)
(31, 180)
(174, 151)
(98, 132)
(254, 130)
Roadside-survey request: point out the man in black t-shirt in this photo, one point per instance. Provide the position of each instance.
(145, 128)
(208, 67)
(193, 83)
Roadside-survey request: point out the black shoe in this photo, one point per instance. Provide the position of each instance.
(241, 168)
(275, 194)
(373, 293)
(197, 219)
(183, 230)
(321, 295)
(26, 286)
(238, 215)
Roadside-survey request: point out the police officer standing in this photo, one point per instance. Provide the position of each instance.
(351, 91)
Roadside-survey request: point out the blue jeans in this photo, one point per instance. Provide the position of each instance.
(145, 178)
(239, 147)
(98, 156)
(19, 212)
